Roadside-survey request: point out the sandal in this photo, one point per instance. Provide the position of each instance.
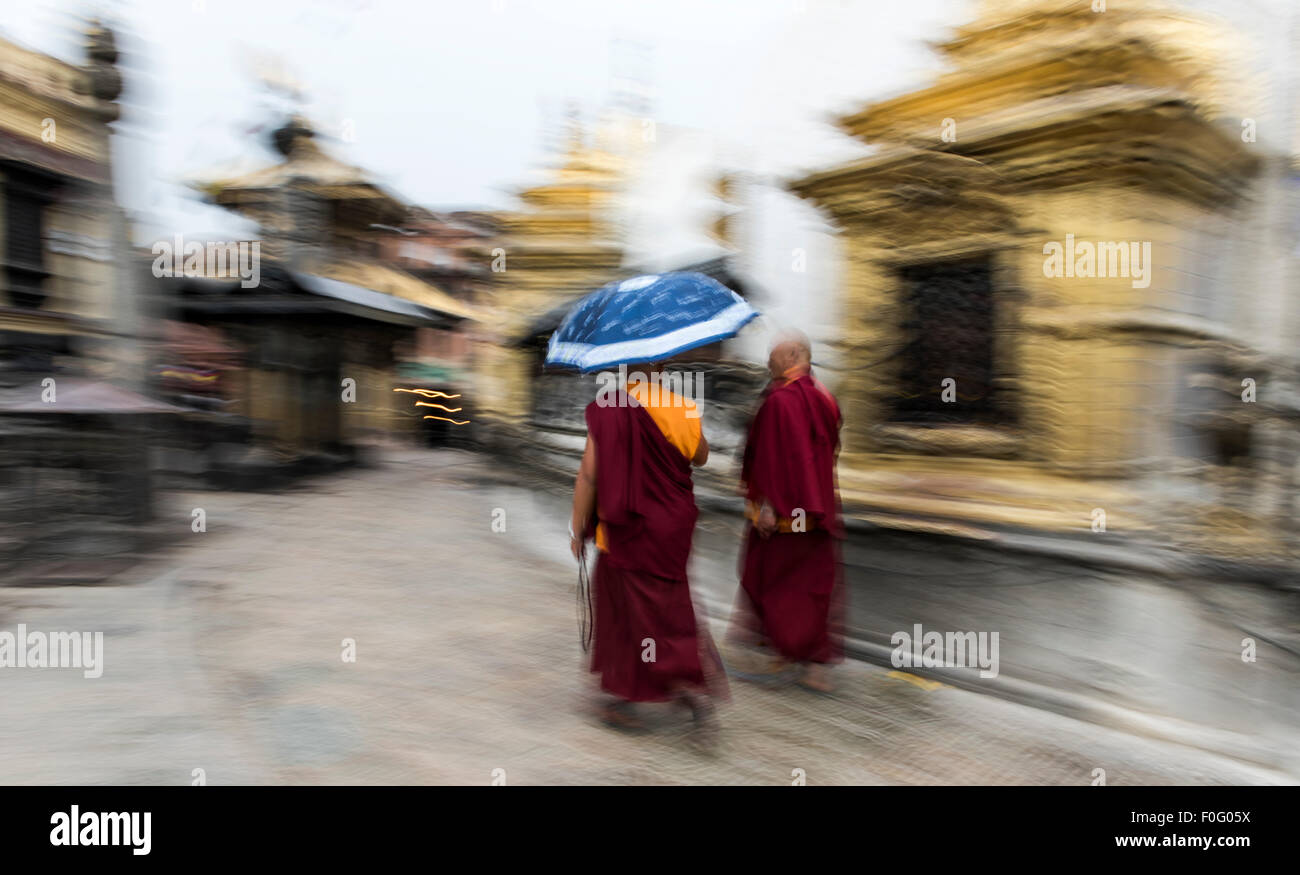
(817, 681)
(704, 735)
(620, 715)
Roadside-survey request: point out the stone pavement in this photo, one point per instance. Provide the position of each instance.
(224, 654)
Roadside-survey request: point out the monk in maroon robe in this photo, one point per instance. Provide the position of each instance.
(634, 494)
(791, 597)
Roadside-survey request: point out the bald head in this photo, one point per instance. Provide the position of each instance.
(790, 349)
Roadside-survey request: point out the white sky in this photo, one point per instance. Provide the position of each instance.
(451, 103)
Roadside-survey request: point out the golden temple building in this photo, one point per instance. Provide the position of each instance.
(1055, 264)
(324, 330)
(76, 495)
(562, 243)
(589, 220)
(59, 222)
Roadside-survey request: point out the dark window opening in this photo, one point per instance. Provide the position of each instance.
(27, 190)
(947, 370)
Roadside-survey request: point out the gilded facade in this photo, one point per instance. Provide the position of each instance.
(1047, 267)
(59, 219)
(561, 243)
(75, 491)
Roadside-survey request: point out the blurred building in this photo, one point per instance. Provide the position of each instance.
(75, 491)
(1068, 291)
(560, 244)
(623, 199)
(322, 330)
(443, 249)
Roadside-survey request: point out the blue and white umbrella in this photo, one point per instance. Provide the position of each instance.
(645, 319)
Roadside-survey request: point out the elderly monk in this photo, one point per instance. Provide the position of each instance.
(791, 593)
(634, 494)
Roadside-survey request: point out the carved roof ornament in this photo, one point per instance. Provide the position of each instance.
(101, 43)
(101, 52)
(286, 137)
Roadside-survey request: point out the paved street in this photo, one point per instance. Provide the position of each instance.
(224, 654)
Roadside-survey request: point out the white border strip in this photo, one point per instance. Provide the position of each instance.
(587, 355)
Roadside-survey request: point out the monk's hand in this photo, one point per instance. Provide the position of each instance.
(577, 544)
(766, 524)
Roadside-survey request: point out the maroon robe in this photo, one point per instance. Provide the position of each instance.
(645, 498)
(791, 592)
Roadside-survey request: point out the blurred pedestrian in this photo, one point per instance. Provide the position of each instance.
(634, 495)
(791, 593)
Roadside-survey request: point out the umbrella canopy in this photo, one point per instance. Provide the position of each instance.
(645, 319)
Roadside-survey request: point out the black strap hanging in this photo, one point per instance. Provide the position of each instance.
(586, 612)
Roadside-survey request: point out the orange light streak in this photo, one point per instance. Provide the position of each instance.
(427, 393)
(434, 393)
